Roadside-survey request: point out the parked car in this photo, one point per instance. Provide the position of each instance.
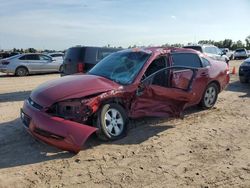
(240, 53)
(244, 71)
(131, 83)
(228, 53)
(58, 57)
(30, 63)
(82, 58)
(211, 51)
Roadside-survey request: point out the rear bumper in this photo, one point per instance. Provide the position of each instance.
(63, 134)
(5, 69)
(240, 56)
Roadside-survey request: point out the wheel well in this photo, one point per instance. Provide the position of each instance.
(22, 67)
(116, 101)
(111, 100)
(217, 83)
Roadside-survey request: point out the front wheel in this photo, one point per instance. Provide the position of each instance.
(111, 122)
(243, 79)
(61, 69)
(210, 96)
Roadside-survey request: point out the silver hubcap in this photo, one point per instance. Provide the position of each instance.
(114, 122)
(21, 72)
(210, 96)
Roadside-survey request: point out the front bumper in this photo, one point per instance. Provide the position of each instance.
(244, 72)
(63, 134)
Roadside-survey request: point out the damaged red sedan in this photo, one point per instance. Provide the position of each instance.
(128, 84)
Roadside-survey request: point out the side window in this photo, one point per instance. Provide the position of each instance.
(32, 57)
(44, 58)
(205, 62)
(160, 78)
(186, 59)
(23, 57)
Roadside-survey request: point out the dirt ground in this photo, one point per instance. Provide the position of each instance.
(206, 149)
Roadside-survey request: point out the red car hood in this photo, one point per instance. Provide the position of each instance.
(74, 86)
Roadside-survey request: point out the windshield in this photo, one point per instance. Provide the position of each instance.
(240, 50)
(121, 67)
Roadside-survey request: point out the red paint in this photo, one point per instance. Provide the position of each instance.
(153, 100)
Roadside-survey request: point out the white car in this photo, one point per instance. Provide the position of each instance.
(57, 56)
(241, 53)
(210, 50)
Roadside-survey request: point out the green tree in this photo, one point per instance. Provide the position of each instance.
(227, 43)
(248, 42)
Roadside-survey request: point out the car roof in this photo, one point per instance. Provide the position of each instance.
(162, 50)
(201, 45)
(92, 47)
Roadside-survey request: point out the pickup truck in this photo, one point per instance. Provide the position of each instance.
(228, 53)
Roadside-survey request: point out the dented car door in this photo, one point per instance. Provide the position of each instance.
(164, 99)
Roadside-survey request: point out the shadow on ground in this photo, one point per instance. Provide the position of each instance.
(17, 147)
(239, 87)
(14, 96)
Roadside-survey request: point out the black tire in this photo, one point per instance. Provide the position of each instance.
(210, 96)
(243, 80)
(114, 122)
(61, 69)
(21, 71)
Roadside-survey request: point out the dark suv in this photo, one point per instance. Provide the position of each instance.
(83, 58)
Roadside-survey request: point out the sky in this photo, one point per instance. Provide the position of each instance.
(60, 24)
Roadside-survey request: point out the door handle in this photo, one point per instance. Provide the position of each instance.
(204, 74)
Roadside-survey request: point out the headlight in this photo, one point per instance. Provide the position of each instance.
(75, 110)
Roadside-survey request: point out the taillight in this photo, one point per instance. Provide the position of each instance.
(80, 67)
(5, 62)
(227, 69)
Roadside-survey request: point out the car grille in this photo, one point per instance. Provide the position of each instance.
(48, 134)
(34, 104)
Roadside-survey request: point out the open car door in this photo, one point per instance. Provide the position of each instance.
(164, 93)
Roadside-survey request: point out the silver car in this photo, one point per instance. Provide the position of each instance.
(25, 64)
(240, 53)
(210, 50)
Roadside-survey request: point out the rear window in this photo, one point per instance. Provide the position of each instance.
(197, 48)
(240, 50)
(74, 54)
(30, 57)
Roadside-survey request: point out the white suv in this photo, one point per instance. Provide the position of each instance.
(210, 50)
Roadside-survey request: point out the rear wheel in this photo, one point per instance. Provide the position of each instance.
(210, 96)
(111, 122)
(22, 71)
